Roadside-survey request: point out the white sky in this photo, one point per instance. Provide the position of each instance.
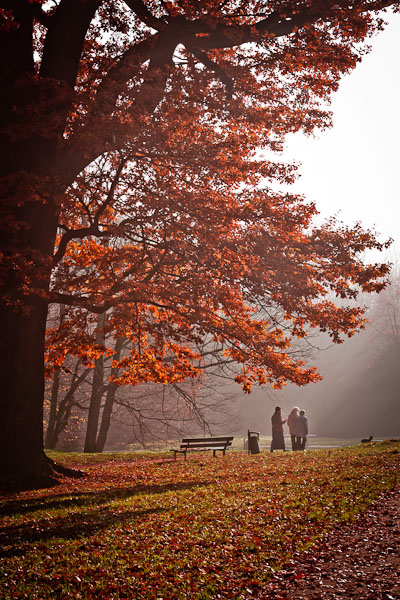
(354, 167)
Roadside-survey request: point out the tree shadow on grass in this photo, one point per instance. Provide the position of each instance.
(81, 498)
(78, 525)
(67, 528)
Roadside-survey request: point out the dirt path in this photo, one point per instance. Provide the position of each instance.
(361, 561)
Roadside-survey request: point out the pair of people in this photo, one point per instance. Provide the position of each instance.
(298, 427)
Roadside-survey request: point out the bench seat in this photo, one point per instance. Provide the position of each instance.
(220, 443)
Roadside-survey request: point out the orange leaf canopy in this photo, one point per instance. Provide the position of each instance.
(167, 194)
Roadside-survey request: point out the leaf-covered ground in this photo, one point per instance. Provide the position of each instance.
(360, 560)
(154, 528)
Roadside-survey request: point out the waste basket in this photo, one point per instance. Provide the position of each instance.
(252, 442)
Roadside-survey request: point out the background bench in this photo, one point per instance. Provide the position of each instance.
(221, 443)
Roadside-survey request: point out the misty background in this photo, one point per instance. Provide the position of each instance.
(359, 393)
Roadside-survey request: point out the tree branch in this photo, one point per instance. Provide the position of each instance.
(65, 37)
(93, 229)
(198, 37)
(34, 8)
(75, 234)
(209, 36)
(153, 87)
(110, 195)
(112, 84)
(141, 11)
(98, 309)
(212, 66)
(159, 48)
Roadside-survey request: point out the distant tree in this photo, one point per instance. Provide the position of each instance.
(143, 413)
(154, 408)
(62, 405)
(384, 316)
(97, 389)
(110, 391)
(130, 139)
(50, 440)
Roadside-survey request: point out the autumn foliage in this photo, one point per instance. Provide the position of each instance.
(141, 180)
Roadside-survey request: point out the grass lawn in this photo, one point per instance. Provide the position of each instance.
(145, 526)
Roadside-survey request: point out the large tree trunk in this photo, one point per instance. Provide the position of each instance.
(31, 175)
(23, 326)
(22, 459)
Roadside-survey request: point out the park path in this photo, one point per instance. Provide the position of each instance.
(360, 560)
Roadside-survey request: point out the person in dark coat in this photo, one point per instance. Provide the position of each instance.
(301, 430)
(278, 441)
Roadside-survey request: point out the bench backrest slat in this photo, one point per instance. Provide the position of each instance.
(219, 443)
(223, 439)
(205, 445)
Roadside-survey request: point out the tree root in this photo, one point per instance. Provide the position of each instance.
(16, 476)
(67, 471)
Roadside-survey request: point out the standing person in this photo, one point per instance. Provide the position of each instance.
(278, 441)
(301, 430)
(291, 420)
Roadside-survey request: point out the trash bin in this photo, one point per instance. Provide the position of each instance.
(253, 446)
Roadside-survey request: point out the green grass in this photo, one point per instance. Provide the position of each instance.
(146, 526)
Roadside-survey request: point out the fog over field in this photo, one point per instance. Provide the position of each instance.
(359, 393)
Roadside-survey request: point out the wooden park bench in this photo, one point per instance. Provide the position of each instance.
(221, 443)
